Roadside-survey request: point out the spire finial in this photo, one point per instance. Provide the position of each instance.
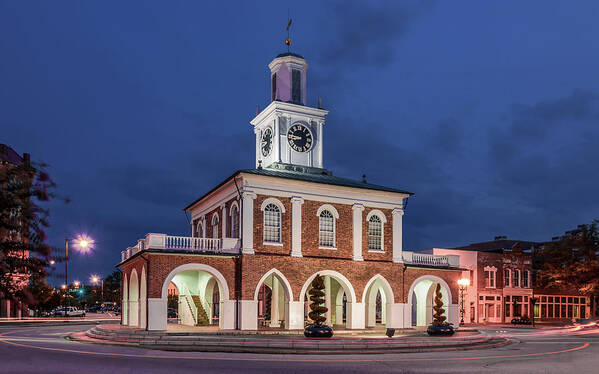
(288, 40)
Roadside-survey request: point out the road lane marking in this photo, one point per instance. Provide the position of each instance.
(584, 346)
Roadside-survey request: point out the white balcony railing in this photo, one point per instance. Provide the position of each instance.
(431, 260)
(182, 243)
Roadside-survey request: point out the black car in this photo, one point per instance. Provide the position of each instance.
(521, 321)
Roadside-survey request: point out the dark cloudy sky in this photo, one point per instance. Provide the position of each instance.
(488, 111)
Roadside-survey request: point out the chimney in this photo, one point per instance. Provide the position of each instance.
(26, 159)
(500, 237)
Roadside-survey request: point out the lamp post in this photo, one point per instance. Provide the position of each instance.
(463, 283)
(95, 279)
(84, 244)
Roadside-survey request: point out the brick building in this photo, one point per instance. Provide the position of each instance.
(259, 238)
(502, 286)
(9, 158)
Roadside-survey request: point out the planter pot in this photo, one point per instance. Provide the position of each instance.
(440, 330)
(318, 332)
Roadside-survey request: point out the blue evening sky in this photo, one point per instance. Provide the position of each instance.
(488, 111)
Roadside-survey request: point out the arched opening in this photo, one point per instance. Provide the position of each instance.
(195, 294)
(339, 297)
(378, 297)
(421, 298)
(273, 294)
(134, 299)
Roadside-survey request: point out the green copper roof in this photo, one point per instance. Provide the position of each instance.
(314, 175)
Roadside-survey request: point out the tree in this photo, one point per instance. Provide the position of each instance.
(572, 262)
(112, 287)
(316, 296)
(438, 317)
(24, 254)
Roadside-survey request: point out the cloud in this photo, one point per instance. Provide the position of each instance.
(449, 136)
(364, 33)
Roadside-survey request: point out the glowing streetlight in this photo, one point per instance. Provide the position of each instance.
(84, 244)
(95, 280)
(52, 262)
(463, 283)
(76, 284)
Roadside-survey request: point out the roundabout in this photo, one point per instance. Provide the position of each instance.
(547, 351)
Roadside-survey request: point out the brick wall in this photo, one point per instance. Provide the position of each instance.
(343, 230)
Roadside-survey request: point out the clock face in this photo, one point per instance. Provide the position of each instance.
(266, 144)
(299, 138)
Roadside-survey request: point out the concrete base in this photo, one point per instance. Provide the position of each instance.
(396, 316)
(157, 314)
(296, 315)
(227, 315)
(248, 314)
(355, 315)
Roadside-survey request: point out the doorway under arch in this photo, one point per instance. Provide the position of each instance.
(421, 299)
(273, 294)
(378, 297)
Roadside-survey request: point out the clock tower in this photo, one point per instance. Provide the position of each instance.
(288, 132)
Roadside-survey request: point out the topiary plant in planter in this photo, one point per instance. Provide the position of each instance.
(439, 325)
(317, 329)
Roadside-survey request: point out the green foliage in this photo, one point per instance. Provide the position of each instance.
(24, 254)
(317, 297)
(438, 317)
(571, 263)
(112, 287)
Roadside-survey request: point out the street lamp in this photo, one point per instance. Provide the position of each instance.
(84, 244)
(95, 280)
(463, 283)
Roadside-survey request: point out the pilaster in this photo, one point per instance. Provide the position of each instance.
(248, 223)
(296, 226)
(357, 231)
(397, 235)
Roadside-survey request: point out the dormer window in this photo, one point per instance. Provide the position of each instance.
(296, 86)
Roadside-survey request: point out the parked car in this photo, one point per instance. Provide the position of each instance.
(93, 309)
(521, 321)
(69, 311)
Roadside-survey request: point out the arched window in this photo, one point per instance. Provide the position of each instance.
(516, 278)
(199, 230)
(326, 229)
(272, 224)
(525, 279)
(215, 226)
(235, 222)
(506, 277)
(375, 233)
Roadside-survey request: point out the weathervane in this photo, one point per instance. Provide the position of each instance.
(288, 40)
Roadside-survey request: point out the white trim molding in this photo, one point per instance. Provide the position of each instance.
(272, 200)
(328, 207)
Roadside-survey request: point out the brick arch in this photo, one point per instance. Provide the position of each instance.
(221, 280)
(282, 278)
(343, 281)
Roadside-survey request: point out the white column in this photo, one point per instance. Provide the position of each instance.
(258, 134)
(296, 315)
(357, 229)
(156, 314)
(223, 214)
(453, 314)
(397, 235)
(327, 299)
(274, 303)
(248, 223)
(397, 314)
(226, 318)
(133, 313)
(296, 226)
(355, 315)
(248, 315)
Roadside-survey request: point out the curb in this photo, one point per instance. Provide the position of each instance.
(55, 323)
(336, 347)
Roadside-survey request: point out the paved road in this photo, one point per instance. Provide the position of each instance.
(44, 350)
